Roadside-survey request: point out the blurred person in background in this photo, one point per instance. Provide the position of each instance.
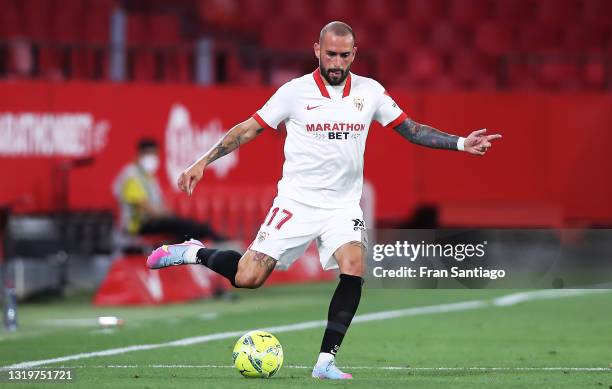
(21, 64)
(142, 206)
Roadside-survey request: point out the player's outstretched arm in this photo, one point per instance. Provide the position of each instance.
(476, 143)
(237, 136)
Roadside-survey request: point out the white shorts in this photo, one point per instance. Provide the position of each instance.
(290, 227)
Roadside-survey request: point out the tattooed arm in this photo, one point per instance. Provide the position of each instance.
(424, 135)
(476, 143)
(237, 136)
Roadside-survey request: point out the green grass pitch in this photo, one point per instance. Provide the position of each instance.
(555, 342)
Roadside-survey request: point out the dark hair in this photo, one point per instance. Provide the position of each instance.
(338, 28)
(145, 144)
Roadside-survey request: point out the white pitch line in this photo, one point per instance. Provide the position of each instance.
(515, 298)
(376, 316)
(474, 368)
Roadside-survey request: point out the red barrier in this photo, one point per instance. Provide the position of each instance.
(554, 152)
(554, 149)
(130, 282)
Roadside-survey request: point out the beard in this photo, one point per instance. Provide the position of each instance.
(334, 76)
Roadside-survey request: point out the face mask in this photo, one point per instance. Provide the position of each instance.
(149, 163)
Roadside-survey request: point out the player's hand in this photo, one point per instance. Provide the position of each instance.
(189, 178)
(478, 142)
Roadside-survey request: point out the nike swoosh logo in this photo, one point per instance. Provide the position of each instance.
(308, 107)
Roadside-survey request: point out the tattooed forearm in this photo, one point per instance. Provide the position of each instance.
(233, 139)
(224, 146)
(426, 136)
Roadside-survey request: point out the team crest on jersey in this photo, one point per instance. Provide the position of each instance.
(358, 101)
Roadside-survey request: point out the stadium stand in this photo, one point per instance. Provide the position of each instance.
(441, 44)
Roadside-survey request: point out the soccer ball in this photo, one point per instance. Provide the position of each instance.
(258, 354)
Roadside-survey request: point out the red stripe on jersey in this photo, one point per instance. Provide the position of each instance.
(397, 120)
(262, 122)
(319, 81)
(347, 86)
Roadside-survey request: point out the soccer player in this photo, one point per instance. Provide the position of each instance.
(327, 115)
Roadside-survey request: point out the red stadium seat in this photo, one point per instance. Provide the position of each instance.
(143, 66)
(512, 11)
(594, 75)
(345, 10)
(521, 75)
(558, 75)
(597, 13)
(137, 29)
(164, 29)
(177, 67)
(70, 7)
(391, 65)
(221, 13)
(425, 66)
(251, 77)
(380, 11)
(413, 41)
(36, 18)
(493, 38)
(234, 69)
(400, 35)
(96, 28)
(555, 12)
(468, 13)
(536, 37)
(50, 61)
(66, 25)
(424, 11)
(445, 35)
(102, 7)
(582, 38)
(97, 21)
(470, 70)
(239, 75)
(367, 34)
(298, 10)
(278, 35)
(11, 23)
(302, 34)
(88, 63)
(259, 12)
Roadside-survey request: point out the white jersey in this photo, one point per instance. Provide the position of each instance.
(327, 127)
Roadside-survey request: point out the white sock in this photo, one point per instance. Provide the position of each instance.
(324, 358)
(190, 255)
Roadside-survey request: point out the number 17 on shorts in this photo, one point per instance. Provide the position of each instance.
(291, 226)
